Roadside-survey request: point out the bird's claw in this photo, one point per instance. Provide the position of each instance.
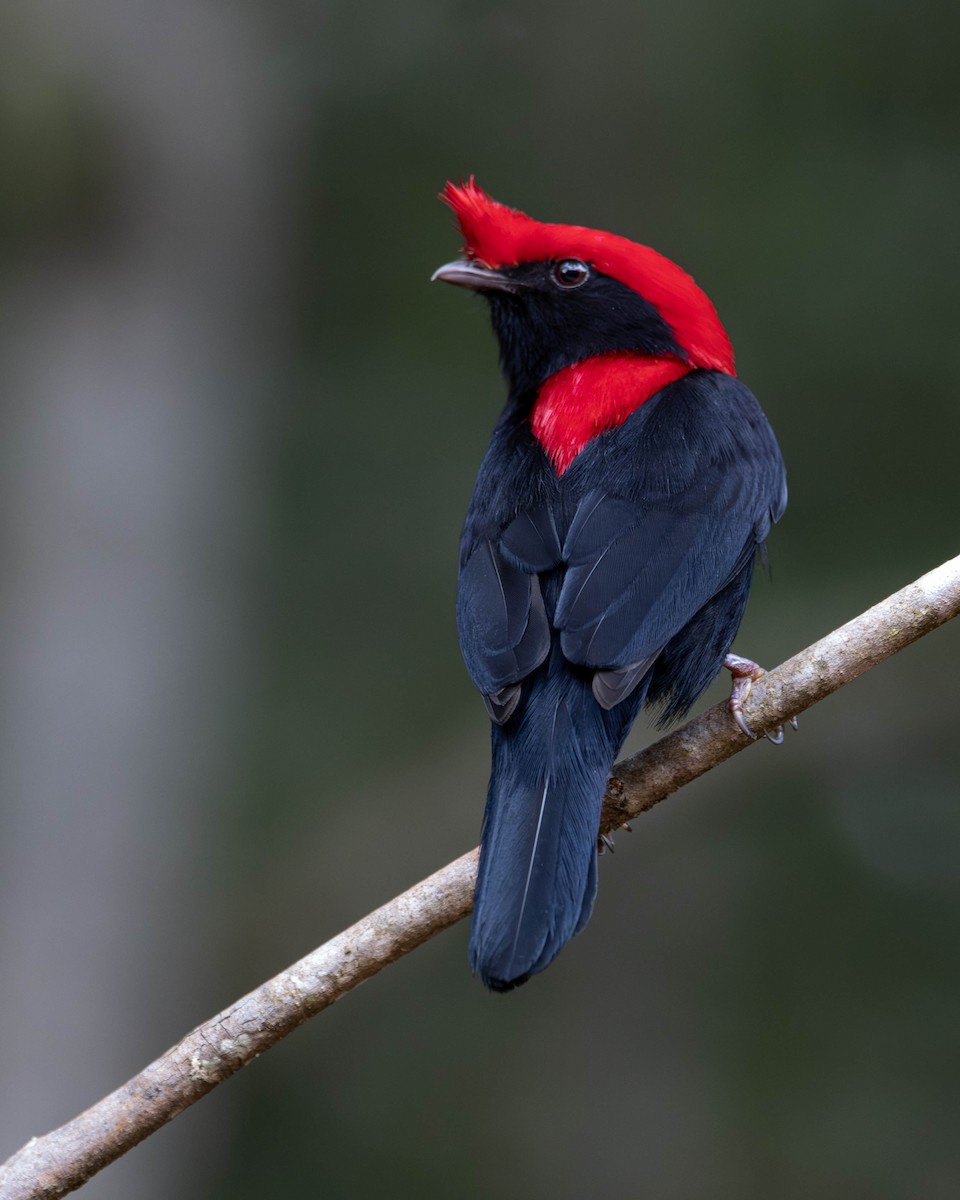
(745, 673)
(737, 713)
(605, 840)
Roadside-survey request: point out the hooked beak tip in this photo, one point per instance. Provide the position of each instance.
(469, 274)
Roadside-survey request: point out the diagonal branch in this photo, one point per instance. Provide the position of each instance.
(66, 1158)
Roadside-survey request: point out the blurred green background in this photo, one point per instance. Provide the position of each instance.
(238, 434)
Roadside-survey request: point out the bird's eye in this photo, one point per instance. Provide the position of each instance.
(570, 273)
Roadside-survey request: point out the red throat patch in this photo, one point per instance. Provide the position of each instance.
(589, 397)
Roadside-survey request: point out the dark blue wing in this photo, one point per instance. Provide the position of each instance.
(646, 554)
(658, 517)
(637, 573)
(503, 625)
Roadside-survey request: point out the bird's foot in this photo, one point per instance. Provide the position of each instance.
(605, 840)
(745, 673)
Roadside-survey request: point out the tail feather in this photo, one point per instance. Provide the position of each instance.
(538, 868)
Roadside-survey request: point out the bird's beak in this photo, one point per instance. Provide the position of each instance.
(472, 275)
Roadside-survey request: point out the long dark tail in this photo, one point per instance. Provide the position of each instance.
(538, 856)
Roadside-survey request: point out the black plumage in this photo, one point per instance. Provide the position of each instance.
(588, 591)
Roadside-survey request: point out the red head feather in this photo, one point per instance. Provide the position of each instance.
(500, 236)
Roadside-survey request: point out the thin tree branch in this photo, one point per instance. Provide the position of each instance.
(64, 1159)
(797, 684)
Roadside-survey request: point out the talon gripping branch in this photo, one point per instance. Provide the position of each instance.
(607, 552)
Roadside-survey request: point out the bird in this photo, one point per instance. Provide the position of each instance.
(606, 558)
